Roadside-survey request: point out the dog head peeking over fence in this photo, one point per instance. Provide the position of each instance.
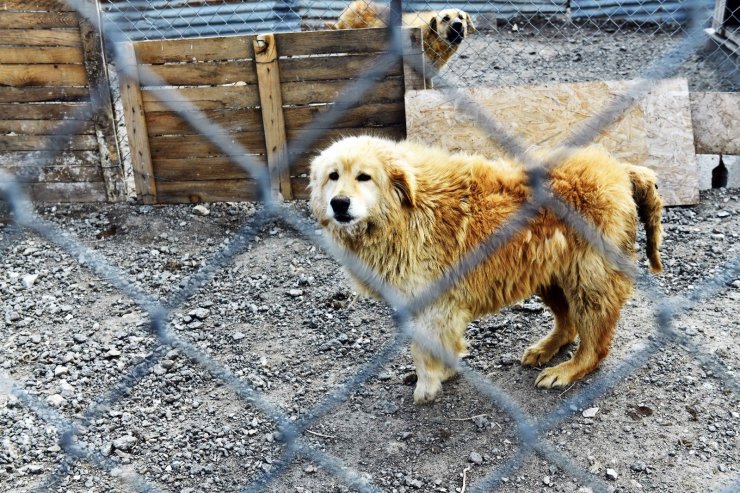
(412, 213)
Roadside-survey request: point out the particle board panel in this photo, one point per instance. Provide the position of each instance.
(655, 132)
(716, 118)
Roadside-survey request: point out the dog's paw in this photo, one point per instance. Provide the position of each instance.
(556, 376)
(536, 355)
(425, 393)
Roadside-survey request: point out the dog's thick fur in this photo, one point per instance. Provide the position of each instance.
(411, 212)
(442, 31)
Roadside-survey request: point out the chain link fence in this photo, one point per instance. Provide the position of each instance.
(686, 37)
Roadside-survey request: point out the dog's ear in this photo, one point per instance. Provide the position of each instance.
(433, 24)
(404, 183)
(471, 26)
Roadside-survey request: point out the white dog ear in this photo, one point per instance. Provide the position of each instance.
(471, 26)
(404, 183)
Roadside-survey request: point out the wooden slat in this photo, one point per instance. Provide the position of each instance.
(42, 75)
(41, 54)
(200, 50)
(41, 94)
(300, 188)
(203, 98)
(206, 191)
(49, 158)
(168, 123)
(329, 136)
(183, 146)
(414, 61)
(42, 127)
(67, 192)
(268, 75)
(34, 5)
(199, 169)
(55, 174)
(203, 74)
(368, 115)
(40, 37)
(36, 142)
(330, 67)
(328, 91)
(136, 126)
(45, 111)
(344, 41)
(38, 20)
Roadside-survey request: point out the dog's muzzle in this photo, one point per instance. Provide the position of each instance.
(340, 205)
(456, 33)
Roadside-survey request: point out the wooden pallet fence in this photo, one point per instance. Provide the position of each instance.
(54, 96)
(261, 91)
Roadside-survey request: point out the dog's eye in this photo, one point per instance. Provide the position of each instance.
(333, 176)
(363, 177)
(446, 18)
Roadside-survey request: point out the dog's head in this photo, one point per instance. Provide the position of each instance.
(452, 25)
(359, 183)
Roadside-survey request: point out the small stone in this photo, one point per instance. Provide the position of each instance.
(414, 483)
(547, 480)
(295, 293)
(79, 338)
(113, 353)
(55, 400)
(125, 443)
(60, 370)
(475, 458)
(389, 407)
(723, 214)
(201, 210)
(29, 280)
(309, 469)
(638, 466)
(35, 469)
(405, 435)
(481, 422)
(611, 474)
(590, 412)
(35, 338)
(508, 359)
(200, 313)
(238, 336)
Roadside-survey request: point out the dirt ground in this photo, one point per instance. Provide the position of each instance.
(282, 317)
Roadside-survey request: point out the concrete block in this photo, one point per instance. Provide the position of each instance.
(705, 163)
(732, 163)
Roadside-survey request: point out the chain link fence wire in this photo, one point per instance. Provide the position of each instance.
(532, 433)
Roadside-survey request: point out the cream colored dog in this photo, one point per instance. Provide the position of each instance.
(442, 31)
(411, 212)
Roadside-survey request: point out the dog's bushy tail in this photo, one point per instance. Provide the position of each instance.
(649, 209)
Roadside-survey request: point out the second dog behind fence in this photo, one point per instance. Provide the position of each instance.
(412, 212)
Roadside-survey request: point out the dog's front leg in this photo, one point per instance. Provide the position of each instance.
(438, 344)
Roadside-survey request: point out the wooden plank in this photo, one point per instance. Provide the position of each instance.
(715, 117)
(136, 126)
(42, 127)
(45, 111)
(367, 115)
(40, 37)
(268, 75)
(329, 136)
(203, 98)
(102, 100)
(206, 191)
(320, 42)
(38, 20)
(36, 142)
(49, 158)
(184, 146)
(331, 67)
(300, 188)
(168, 123)
(195, 50)
(55, 174)
(414, 61)
(199, 169)
(41, 54)
(42, 75)
(41, 94)
(327, 91)
(37, 5)
(67, 192)
(202, 74)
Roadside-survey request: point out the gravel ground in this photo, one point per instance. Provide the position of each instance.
(283, 318)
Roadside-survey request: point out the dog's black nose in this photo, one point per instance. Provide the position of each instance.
(340, 204)
(456, 33)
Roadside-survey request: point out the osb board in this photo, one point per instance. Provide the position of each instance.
(715, 116)
(656, 132)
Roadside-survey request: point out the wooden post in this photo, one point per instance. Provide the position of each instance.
(271, 102)
(105, 127)
(138, 139)
(413, 59)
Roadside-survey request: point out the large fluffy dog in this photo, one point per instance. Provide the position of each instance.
(442, 30)
(411, 212)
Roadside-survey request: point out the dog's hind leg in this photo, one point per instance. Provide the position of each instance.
(596, 312)
(562, 334)
(440, 342)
